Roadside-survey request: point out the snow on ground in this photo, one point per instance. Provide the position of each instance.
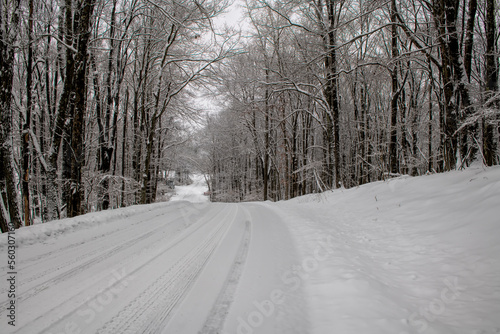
(408, 255)
(193, 192)
(61, 228)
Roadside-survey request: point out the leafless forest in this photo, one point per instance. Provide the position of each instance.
(100, 97)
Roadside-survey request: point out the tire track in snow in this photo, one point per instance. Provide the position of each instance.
(190, 230)
(151, 309)
(63, 253)
(25, 264)
(188, 216)
(33, 261)
(215, 321)
(81, 267)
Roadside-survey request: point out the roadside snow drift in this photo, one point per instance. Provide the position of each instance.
(409, 255)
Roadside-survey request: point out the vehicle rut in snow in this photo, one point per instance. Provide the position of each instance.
(103, 252)
(81, 267)
(151, 309)
(215, 321)
(155, 241)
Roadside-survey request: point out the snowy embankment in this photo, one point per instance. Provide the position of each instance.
(58, 228)
(408, 255)
(53, 229)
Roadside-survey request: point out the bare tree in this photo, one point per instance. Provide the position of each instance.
(491, 73)
(9, 29)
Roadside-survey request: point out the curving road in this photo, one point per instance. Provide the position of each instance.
(180, 268)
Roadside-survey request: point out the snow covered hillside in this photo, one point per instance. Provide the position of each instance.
(408, 255)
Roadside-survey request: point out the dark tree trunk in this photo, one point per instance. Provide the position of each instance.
(8, 36)
(100, 126)
(430, 164)
(445, 15)
(491, 59)
(332, 93)
(107, 144)
(469, 39)
(75, 206)
(124, 148)
(140, 120)
(53, 210)
(146, 195)
(267, 148)
(462, 105)
(27, 122)
(294, 161)
(393, 154)
(135, 139)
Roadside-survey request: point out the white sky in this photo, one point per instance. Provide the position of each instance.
(233, 16)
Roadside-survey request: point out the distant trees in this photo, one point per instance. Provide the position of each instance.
(94, 99)
(343, 92)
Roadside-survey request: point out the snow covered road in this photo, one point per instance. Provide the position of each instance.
(120, 277)
(176, 268)
(409, 255)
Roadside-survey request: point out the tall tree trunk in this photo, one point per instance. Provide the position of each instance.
(414, 112)
(27, 122)
(100, 127)
(140, 118)
(393, 154)
(107, 146)
(50, 111)
(267, 148)
(135, 139)
(146, 196)
(294, 159)
(469, 39)
(445, 15)
(491, 59)
(8, 37)
(430, 165)
(60, 119)
(80, 91)
(332, 90)
(124, 148)
(462, 104)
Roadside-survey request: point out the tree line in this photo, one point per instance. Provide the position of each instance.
(338, 93)
(94, 99)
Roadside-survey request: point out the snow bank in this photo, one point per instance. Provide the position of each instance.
(407, 255)
(41, 232)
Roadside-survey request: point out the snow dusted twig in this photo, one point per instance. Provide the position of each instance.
(38, 150)
(60, 41)
(480, 150)
(474, 118)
